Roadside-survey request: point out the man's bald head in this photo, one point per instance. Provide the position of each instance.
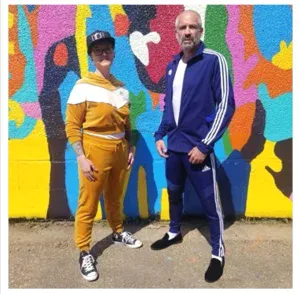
(188, 13)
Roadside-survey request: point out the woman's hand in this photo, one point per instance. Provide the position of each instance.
(87, 167)
(130, 157)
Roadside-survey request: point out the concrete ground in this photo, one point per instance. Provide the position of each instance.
(258, 255)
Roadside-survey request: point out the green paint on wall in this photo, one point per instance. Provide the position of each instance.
(227, 145)
(216, 20)
(137, 107)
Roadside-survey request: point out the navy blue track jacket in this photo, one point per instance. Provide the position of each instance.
(207, 103)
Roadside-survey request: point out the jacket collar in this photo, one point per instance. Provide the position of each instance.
(199, 51)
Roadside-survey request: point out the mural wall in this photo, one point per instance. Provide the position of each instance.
(47, 55)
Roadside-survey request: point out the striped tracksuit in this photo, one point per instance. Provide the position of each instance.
(206, 108)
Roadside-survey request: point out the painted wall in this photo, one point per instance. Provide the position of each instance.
(47, 54)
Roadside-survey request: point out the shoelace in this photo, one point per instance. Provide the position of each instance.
(88, 262)
(127, 237)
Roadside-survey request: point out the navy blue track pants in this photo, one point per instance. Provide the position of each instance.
(203, 179)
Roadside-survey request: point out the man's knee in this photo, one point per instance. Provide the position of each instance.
(175, 193)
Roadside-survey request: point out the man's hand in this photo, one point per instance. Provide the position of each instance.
(87, 167)
(161, 148)
(196, 156)
(130, 157)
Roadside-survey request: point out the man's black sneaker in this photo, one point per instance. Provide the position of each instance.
(165, 242)
(215, 270)
(127, 239)
(87, 266)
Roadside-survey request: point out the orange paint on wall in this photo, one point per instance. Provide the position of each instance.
(60, 56)
(241, 125)
(277, 80)
(121, 25)
(16, 65)
(154, 98)
(32, 18)
(247, 30)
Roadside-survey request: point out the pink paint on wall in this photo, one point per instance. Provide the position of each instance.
(241, 67)
(32, 109)
(55, 22)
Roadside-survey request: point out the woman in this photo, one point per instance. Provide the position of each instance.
(99, 106)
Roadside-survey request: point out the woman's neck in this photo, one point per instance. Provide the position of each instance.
(105, 73)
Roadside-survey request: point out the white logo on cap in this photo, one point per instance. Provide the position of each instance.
(97, 36)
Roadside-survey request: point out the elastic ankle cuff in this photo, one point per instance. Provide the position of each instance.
(217, 257)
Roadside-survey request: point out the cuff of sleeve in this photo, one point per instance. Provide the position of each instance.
(74, 139)
(205, 149)
(157, 136)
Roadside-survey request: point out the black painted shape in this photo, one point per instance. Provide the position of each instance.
(147, 81)
(140, 17)
(284, 178)
(256, 142)
(49, 100)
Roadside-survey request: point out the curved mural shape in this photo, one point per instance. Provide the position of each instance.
(47, 55)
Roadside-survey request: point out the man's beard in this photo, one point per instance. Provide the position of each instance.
(191, 45)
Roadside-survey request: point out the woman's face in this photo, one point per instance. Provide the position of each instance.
(102, 55)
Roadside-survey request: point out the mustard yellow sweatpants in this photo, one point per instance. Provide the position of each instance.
(110, 157)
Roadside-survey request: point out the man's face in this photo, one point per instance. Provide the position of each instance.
(188, 31)
(102, 53)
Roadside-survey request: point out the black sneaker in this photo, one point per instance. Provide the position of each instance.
(215, 270)
(165, 242)
(127, 239)
(87, 266)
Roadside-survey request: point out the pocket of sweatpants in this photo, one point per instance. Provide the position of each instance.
(86, 149)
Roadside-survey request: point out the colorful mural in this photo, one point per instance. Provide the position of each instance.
(47, 55)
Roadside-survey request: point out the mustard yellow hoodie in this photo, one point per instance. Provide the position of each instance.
(97, 105)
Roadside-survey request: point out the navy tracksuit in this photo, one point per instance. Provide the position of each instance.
(207, 106)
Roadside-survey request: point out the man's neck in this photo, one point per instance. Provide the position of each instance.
(189, 53)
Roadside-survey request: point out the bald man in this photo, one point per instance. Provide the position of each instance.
(199, 105)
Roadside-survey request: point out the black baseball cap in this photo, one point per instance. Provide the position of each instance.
(98, 37)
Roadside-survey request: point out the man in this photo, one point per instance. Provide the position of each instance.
(199, 105)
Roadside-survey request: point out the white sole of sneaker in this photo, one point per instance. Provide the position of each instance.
(130, 246)
(91, 278)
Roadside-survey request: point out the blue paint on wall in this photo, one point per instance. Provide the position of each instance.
(272, 24)
(278, 115)
(233, 179)
(28, 91)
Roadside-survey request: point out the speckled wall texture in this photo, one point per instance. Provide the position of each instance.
(47, 54)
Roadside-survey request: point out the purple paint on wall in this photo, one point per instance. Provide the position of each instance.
(55, 22)
(241, 67)
(162, 102)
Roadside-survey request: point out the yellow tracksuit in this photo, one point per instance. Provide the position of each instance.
(99, 107)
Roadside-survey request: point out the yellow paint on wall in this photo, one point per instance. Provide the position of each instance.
(164, 207)
(15, 112)
(29, 175)
(11, 48)
(284, 58)
(142, 193)
(99, 212)
(264, 199)
(10, 20)
(115, 10)
(82, 13)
